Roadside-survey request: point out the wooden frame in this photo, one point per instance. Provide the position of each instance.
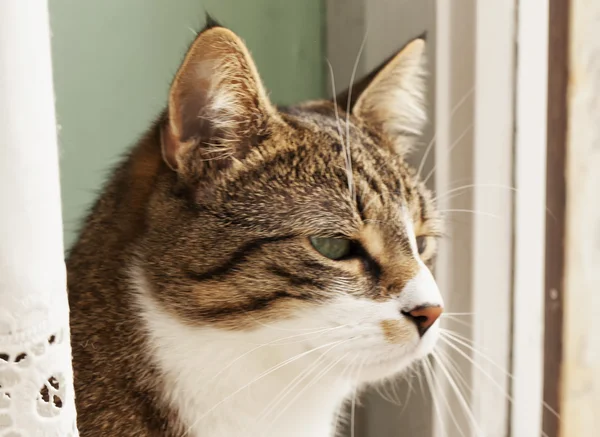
(579, 377)
(558, 77)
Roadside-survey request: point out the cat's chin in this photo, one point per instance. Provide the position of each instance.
(385, 366)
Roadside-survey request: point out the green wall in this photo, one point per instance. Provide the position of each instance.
(114, 60)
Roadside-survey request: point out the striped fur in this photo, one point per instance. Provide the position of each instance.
(199, 246)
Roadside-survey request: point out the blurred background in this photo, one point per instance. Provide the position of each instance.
(520, 266)
(114, 61)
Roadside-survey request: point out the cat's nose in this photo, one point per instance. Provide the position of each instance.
(424, 316)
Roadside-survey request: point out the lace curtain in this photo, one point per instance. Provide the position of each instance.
(36, 378)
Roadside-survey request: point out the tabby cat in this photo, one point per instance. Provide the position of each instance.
(247, 267)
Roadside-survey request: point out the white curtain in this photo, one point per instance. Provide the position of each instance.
(36, 378)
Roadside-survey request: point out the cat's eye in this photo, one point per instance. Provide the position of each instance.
(421, 244)
(332, 248)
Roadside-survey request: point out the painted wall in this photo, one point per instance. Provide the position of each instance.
(114, 60)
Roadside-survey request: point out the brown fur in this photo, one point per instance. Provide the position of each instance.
(395, 331)
(224, 242)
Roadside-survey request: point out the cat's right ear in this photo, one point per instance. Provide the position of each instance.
(218, 107)
(351, 94)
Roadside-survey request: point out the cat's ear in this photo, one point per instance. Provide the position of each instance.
(392, 98)
(218, 106)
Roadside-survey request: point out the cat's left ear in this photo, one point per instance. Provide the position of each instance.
(392, 98)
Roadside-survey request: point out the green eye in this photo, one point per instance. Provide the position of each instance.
(332, 248)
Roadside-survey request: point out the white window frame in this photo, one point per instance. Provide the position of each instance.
(530, 218)
(475, 47)
(489, 77)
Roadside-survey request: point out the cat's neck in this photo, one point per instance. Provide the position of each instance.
(228, 384)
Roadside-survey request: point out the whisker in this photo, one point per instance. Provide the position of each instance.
(306, 387)
(453, 368)
(457, 320)
(457, 314)
(436, 389)
(262, 375)
(407, 398)
(291, 386)
(353, 413)
(348, 155)
(381, 390)
(450, 149)
(488, 214)
(335, 105)
(339, 127)
(471, 186)
(279, 328)
(478, 367)
(426, 154)
(342, 405)
(448, 404)
(506, 187)
(450, 335)
(464, 341)
(514, 189)
(452, 114)
(483, 372)
(260, 346)
(304, 335)
(459, 395)
(353, 407)
(389, 386)
(461, 378)
(420, 376)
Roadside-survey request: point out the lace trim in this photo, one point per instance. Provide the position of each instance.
(36, 383)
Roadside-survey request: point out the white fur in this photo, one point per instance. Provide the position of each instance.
(221, 381)
(422, 289)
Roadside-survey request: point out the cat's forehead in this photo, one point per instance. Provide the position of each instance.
(323, 117)
(320, 131)
(300, 174)
(317, 148)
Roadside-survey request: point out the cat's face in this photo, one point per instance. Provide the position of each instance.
(299, 223)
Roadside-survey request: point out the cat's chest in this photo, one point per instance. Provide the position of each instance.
(251, 400)
(230, 387)
(306, 416)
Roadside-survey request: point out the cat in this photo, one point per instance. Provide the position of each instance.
(247, 267)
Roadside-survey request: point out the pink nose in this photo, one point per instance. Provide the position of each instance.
(424, 316)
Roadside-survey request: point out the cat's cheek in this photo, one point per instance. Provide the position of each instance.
(369, 325)
(373, 333)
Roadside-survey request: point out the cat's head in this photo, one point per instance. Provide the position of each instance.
(303, 222)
